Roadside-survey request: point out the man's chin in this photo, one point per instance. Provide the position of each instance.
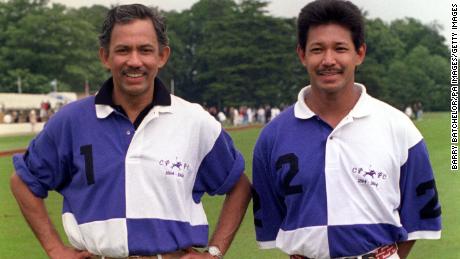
(135, 89)
(330, 87)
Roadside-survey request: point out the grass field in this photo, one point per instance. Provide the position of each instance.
(17, 241)
(14, 142)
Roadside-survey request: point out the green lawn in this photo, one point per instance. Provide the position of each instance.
(17, 241)
(14, 142)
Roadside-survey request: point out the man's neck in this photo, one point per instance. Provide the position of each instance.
(332, 107)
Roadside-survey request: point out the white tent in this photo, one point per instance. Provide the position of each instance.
(15, 101)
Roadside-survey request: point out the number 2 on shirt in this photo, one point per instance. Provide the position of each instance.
(293, 162)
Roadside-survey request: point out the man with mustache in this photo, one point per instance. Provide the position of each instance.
(132, 162)
(341, 174)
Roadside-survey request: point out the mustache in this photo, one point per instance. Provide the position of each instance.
(329, 70)
(134, 71)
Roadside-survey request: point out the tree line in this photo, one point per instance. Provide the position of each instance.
(224, 53)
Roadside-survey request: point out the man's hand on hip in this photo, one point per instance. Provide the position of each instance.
(69, 253)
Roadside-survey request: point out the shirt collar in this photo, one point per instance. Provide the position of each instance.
(105, 105)
(361, 108)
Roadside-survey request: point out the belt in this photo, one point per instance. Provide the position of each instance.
(379, 253)
(129, 257)
(171, 255)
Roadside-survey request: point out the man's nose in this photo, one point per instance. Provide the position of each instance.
(328, 58)
(134, 59)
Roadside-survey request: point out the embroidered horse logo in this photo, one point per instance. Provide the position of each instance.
(370, 173)
(177, 164)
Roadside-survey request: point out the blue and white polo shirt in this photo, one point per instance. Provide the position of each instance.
(326, 193)
(132, 189)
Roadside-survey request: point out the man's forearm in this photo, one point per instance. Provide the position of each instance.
(404, 248)
(34, 211)
(232, 213)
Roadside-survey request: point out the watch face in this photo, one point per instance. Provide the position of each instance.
(214, 251)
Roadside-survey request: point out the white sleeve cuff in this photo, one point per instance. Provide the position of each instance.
(267, 244)
(424, 235)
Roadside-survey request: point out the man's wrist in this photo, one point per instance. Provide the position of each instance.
(214, 251)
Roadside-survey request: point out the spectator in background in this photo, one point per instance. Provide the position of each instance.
(275, 111)
(15, 117)
(221, 117)
(8, 118)
(43, 114)
(32, 119)
(250, 114)
(418, 110)
(408, 111)
(261, 115)
(236, 119)
(244, 115)
(268, 113)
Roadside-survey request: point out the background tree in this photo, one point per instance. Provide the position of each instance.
(236, 54)
(405, 63)
(48, 43)
(224, 53)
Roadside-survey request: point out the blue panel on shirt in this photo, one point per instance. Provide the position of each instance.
(360, 239)
(420, 208)
(61, 166)
(163, 235)
(296, 210)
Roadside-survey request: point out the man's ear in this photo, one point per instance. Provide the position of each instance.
(361, 54)
(301, 55)
(104, 57)
(164, 56)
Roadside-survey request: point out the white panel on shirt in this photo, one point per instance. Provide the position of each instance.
(310, 240)
(108, 237)
(363, 171)
(162, 162)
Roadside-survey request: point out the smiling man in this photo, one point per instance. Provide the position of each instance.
(132, 162)
(341, 174)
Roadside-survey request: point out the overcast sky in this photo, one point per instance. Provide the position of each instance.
(426, 11)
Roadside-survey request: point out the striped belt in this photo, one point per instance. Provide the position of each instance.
(129, 257)
(383, 252)
(172, 255)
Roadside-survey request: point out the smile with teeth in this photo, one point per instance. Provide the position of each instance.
(329, 72)
(134, 75)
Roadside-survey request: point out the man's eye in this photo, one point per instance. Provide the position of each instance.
(147, 51)
(316, 50)
(121, 51)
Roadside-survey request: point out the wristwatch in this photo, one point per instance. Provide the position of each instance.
(215, 252)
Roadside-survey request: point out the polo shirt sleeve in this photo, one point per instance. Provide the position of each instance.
(41, 168)
(220, 169)
(268, 204)
(420, 210)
